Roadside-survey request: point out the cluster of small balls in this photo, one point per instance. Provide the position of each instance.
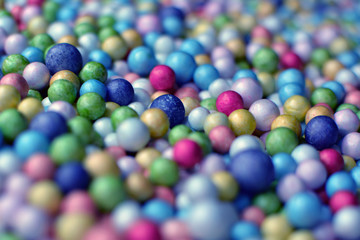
(179, 120)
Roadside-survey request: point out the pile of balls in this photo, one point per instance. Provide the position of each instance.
(180, 120)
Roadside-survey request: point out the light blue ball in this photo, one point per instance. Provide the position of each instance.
(200, 187)
(284, 164)
(141, 95)
(30, 142)
(33, 54)
(340, 181)
(122, 26)
(245, 142)
(133, 134)
(192, 47)
(158, 210)
(346, 223)
(245, 73)
(173, 26)
(355, 173)
(244, 230)
(197, 118)
(125, 214)
(10, 162)
(93, 85)
(290, 90)
(204, 75)
(100, 56)
(348, 58)
(304, 152)
(141, 60)
(150, 39)
(103, 126)
(66, 14)
(337, 88)
(291, 75)
(183, 64)
(303, 210)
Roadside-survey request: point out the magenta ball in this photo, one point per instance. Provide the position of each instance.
(143, 229)
(36, 75)
(78, 202)
(291, 60)
(332, 160)
(221, 138)
(148, 23)
(17, 81)
(347, 121)
(162, 78)
(15, 43)
(249, 89)
(187, 153)
(350, 145)
(39, 167)
(229, 101)
(288, 186)
(253, 214)
(312, 173)
(264, 112)
(342, 199)
(175, 229)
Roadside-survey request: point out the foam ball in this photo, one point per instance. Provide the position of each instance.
(72, 176)
(183, 64)
(340, 181)
(229, 101)
(312, 172)
(125, 214)
(71, 226)
(45, 195)
(264, 112)
(157, 210)
(321, 132)
(281, 139)
(133, 134)
(250, 90)
(350, 145)
(332, 160)
(187, 153)
(172, 106)
(143, 229)
(162, 78)
(120, 91)
(342, 199)
(346, 223)
(51, 124)
(30, 142)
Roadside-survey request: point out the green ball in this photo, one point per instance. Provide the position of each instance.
(12, 123)
(82, 128)
(106, 21)
(107, 192)
(319, 56)
(14, 63)
(84, 28)
(8, 236)
(67, 147)
(5, 13)
(324, 95)
(62, 90)
(178, 132)
(93, 70)
(203, 140)
(42, 41)
(209, 104)
(120, 114)
(268, 202)
(50, 9)
(266, 60)
(91, 106)
(350, 106)
(35, 94)
(281, 139)
(164, 172)
(221, 20)
(243, 65)
(107, 32)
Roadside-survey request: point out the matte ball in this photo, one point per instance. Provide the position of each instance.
(63, 56)
(143, 229)
(172, 106)
(321, 132)
(51, 124)
(120, 91)
(281, 139)
(346, 223)
(187, 153)
(253, 169)
(72, 176)
(229, 101)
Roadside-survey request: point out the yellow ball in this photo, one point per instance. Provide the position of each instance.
(37, 25)
(69, 39)
(202, 27)
(67, 75)
(226, 184)
(45, 195)
(132, 38)
(276, 227)
(331, 68)
(215, 119)
(158, 94)
(30, 107)
(146, 156)
(265, 9)
(115, 46)
(297, 106)
(301, 235)
(85, 19)
(242, 122)
(318, 111)
(246, 23)
(202, 59)
(287, 121)
(267, 83)
(110, 108)
(101, 163)
(339, 45)
(349, 163)
(190, 104)
(157, 121)
(73, 226)
(237, 47)
(9, 97)
(139, 187)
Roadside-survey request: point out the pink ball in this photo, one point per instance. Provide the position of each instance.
(220, 52)
(16, 13)
(332, 160)
(102, 232)
(29, 12)
(116, 152)
(253, 214)
(249, 89)
(260, 32)
(78, 202)
(342, 199)
(229, 101)
(131, 77)
(143, 229)
(291, 60)
(221, 138)
(353, 97)
(175, 229)
(165, 193)
(148, 23)
(280, 48)
(162, 78)
(187, 153)
(39, 167)
(35, 2)
(187, 92)
(17, 81)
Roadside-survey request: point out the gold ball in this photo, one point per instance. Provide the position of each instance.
(101, 163)
(73, 226)
(287, 121)
(246, 23)
(267, 83)
(318, 111)
(242, 122)
(69, 39)
(67, 75)
(9, 97)
(297, 106)
(237, 47)
(301, 235)
(139, 187)
(158, 94)
(30, 107)
(189, 104)
(115, 46)
(339, 45)
(331, 68)
(132, 38)
(45, 195)
(146, 156)
(85, 19)
(226, 184)
(265, 9)
(202, 59)
(157, 122)
(37, 25)
(276, 227)
(349, 163)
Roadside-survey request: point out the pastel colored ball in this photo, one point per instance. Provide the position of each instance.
(133, 134)
(221, 138)
(281, 139)
(14, 63)
(265, 60)
(93, 85)
(342, 199)
(297, 106)
(9, 97)
(73, 225)
(346, 222)
(183, 64)
(321, 132)
(141, 60)
(51, 124)
(324, 95)
(215, 119)
(204, 75)
(226, 184)
(197, 118)
(340, 181)
(242, 122)
(249, 89)
(318, 110)
(349, 145)
(199, 187)
(187, 153)
(45, 195)
(91, 106)
(62, 90)
(78, 202)
(139, 187)
(264, 112)
(30, 142)
(64, 108)
(276, 226)
(164, 172)
(65, 148)
(332, 160)
(289, 90)
(287, 121)
(244, 230)
(246, 142)
(284, 164)
(157, 121)
(158, 210)
(17, 81)
(39, 167)
(125, 214)
(229, 101)
(93, 70)
(174, 228)
(172, 106)
(291, 75)
(313, 173)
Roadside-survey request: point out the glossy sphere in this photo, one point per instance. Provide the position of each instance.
(346, 223)
(141, 60)
(287, 121)
(142, 229)
(266, 60)
(183, 64)
(321, 132)
(303, 210)
(36, 75)
(162, 78)
(297, 106)
(30, 142)
(139, 187)
(229, 101)
(337, 88)
(342, 199)
(347, 121)
(62, 90)
(17, 81)
(253, 170)
(226, 184)
(157, 122)
(39, 167)
(120, 91)
(242, 122)
(332, 160)
(340, 181)
(45, 195)
(312, 173)
(93, 85)
(264, 112)
(51, 124)
(72, 176)
(249, 89)
(245, 142)
(281, 139)
(221, 138)
(187, 153)
(204, 75)
(133, 134)
(63, 56)
(15, 44)
(33, 54)
(172, 106)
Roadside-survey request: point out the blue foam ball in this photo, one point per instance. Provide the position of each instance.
(355, 173)
(348, 58)
(183, 64)
(141, 60)
(122, 26)
(321, 132)
(93, 85)
(100, 56)
(204, 75)
(192, 47)
(158, 210)
(245, 73)
(63, 56)
(303, 210)
(284, 164)
(72, 176)
(29, 142)
(340, 181)
(151, 38)
(290, 90)
(120, 91)
(173, 26)
(244, 230)
(291, 75)
(33, 54)
(51, 124)
(253, 170)
(172, 106)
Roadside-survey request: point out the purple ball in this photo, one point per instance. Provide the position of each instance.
(350, 145)
(128, 165)
(36, 75)
(15, 43)
(312, 172)
(324, 231)
(249, 89)
(288, 186)
(212, 163)
(347, 121)
(52, 124)
(264, 112)
(64, 108)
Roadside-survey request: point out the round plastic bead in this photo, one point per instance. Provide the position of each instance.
(290, 76)
(17, 81)
(9, 97)
(226, 184)
(249, 89)
(46, 196)
(164, 172)
(324, 95)
(93, 85)
(141, 60)
(332, 160)
(297, 106)
(157, 210)
(312, 172)
(284, 164)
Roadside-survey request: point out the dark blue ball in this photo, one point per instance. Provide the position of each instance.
(172, 106)
(253, 170)
(141, 60)
(321, 132)
(172, 12)
(51, 124)
(63, 56)
(72, 176)
(120, 91)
